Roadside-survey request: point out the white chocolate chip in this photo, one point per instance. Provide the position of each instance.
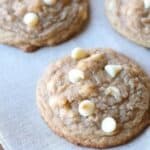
(96, 57)
(113, 91)
(147, 4)
(129, 12)
(86, 108)
(112, 5)
(31, 19)
(53, 102)
(79, 53)
(75, 75)
(109, 125)
(50, 85)
(113, 70)
(50, 2)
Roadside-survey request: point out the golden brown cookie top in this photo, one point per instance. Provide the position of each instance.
(131, 18)
(41, 22)
(98, 91)
(48, 12)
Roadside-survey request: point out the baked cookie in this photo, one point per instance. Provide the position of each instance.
(30, 24)
(131, 19)
(96, 98)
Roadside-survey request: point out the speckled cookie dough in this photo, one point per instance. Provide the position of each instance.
(30, 24)
(96, 98)
(131, 19)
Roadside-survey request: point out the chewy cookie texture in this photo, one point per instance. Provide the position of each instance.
(96, 98)
(30, 24)
(131, 19)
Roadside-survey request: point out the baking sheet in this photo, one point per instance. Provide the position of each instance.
(21, 127)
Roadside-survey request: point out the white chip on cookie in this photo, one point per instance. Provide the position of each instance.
(53, 102)
(109, 125)
(86, 108)
(50, 2)
(97, 57)
(113, 70)
(147, 4)
(75, 75)
(50, 85)
(112, 5)
(113, 91)
(79, 53)
(31, 19)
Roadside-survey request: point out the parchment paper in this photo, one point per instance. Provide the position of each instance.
(21, 127)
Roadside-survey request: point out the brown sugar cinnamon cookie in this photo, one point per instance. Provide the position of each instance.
(30, 24)
(131, 19)
(95, 98)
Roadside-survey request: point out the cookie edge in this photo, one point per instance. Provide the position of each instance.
(117, 27)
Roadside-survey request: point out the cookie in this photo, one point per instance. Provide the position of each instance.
(131, 19)
(30, 24)
(96, 98)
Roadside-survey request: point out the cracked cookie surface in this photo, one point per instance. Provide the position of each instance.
(30, 24)
(96, 98)
(131, 19)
